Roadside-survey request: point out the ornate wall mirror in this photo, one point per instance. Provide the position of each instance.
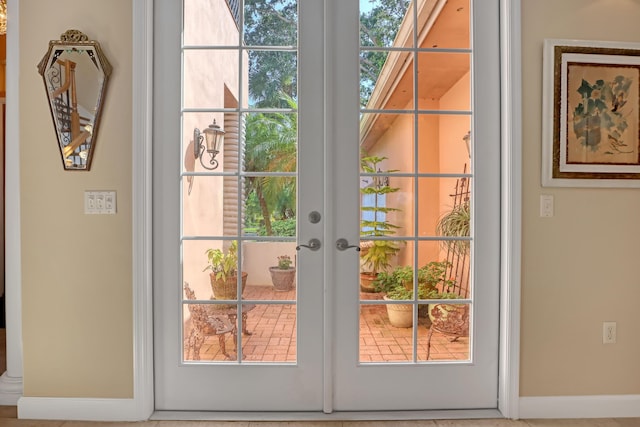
(75, 74)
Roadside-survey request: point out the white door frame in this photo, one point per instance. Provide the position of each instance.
(510, 226)
(140, 407)
(511, 223)
(11, 380)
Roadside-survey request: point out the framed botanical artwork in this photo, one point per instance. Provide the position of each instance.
(591, 114)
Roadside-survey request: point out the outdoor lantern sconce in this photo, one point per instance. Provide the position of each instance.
(75, 74)
(213, 137)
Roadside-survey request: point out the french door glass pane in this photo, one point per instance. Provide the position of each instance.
(239, 197)
(380, 22)
(270, 23)
(208, 74)
(444, 80)
(443, 140)
(213, 23)
(415, 183)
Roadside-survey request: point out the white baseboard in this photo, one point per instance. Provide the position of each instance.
(51, 408)
(605, 406)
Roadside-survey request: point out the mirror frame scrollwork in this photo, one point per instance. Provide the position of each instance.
(75, 72)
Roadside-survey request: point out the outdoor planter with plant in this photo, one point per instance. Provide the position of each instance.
(398, 285)
(455, 223)
(376, 255)
(224, 272)
(283, 274)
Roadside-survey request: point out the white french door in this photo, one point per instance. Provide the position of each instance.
(405, 145)
(277, 380)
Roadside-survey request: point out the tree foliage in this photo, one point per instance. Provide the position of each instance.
(378, 28)
(271, 138)
(274, 23)
(271, 72)
(271, 146)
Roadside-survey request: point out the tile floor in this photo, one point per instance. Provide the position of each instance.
(8, 418)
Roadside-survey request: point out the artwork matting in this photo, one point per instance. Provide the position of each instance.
(591, 114)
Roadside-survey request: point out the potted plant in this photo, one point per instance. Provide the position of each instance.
(282, 275)
(398, 285)
(224, 272)
(455, 223)
(376, 255)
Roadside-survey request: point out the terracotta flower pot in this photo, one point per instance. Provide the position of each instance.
(282, 279)
(366, 282)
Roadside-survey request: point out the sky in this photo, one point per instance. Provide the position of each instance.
(366, 5)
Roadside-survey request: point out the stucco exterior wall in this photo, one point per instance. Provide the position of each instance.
(76, 268)
(453, 157)
(396, 143)
(441, 149)
(211, 80)
(429, 135)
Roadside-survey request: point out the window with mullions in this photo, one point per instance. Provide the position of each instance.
(239, 199)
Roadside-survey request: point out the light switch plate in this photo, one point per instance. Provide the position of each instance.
(100, 202)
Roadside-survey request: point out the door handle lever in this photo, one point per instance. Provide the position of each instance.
(343, 245)
(314, 245)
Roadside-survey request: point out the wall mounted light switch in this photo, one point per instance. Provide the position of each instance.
(89, 202)
(100, 202)
(110, 202)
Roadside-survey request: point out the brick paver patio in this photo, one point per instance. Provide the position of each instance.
(273, 334)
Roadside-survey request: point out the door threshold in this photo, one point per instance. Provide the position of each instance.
(321, 416)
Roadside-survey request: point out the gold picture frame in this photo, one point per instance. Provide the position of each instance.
(591, 114)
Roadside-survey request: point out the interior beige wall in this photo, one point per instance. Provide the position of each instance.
(580, 267)
(76, 268)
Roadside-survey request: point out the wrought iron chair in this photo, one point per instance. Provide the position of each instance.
(204, 321)
(448, 319)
